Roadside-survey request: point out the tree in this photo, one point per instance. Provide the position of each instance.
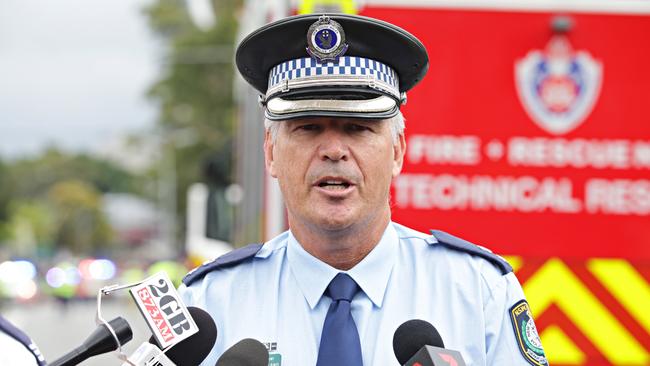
(6, 190)
(34, 176)
(53, 201)
(30, 227)
(195, 90)
(80, 223)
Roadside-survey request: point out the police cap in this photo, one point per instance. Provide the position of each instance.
(331, 65)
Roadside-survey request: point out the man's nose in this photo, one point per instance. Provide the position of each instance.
(332, 147)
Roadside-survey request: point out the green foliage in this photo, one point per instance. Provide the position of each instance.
(31, 224)
(53, 201)
(80, 222)
(31, 177)
(195, 91)
(166, 18)
(5, 193)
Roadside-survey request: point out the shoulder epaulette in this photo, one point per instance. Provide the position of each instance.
(229, 259)
(467, 247)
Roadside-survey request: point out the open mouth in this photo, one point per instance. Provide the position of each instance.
(334, 184)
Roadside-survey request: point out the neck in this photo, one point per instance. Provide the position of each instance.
(341, 248)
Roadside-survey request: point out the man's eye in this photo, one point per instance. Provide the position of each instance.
(312, 127)
(357, 128)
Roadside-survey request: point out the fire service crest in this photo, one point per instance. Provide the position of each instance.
(558, 86)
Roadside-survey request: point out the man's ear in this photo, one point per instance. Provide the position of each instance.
(268, 154)
(399, 149)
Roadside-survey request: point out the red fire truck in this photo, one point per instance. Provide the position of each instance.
(530, 135)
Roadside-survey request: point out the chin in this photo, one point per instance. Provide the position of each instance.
(335, 224)
(335, 220)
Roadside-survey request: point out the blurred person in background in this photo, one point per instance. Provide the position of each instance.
(333, 289)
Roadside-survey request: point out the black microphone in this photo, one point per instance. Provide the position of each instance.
(100, 341)
(413, 335)
(417, 342)
(247, 352)
(193, 350)
(189, 352)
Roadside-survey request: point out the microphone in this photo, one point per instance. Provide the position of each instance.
(417, 342)
(247, 352)
(163, 310)
(413, 335)
(148, 355)
(190, 351)
(100, 341)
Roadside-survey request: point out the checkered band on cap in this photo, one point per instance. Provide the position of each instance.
(347, 71)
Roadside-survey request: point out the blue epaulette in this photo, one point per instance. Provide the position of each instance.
(467, 247)
(227, 260)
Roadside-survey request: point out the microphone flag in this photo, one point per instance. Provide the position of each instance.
(161, 306)
(435, 356)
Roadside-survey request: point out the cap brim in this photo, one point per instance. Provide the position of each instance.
(381, 107)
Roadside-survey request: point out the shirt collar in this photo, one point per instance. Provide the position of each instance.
(371, 274)
(272, 245)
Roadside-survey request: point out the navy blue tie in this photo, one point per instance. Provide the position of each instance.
(339, 342)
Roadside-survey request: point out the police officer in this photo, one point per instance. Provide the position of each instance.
(333, 289)
(16, 348)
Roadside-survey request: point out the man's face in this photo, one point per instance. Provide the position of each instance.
(334, 172)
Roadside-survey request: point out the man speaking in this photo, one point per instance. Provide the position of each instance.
(333, 289)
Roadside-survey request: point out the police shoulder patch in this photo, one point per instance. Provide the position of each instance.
(526, 334)
(227, 260)
(473, 249)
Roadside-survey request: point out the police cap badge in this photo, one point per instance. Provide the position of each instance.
(326, 39)
(331, 65)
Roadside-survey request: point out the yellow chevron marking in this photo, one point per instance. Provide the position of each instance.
(564, 351)
(306, 7)
(626, 284)
(515, 261)
(554, 283)
(310, 6)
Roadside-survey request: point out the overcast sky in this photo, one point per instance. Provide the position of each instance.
(73, 73)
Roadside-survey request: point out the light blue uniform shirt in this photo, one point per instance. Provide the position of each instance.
(278, 297)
